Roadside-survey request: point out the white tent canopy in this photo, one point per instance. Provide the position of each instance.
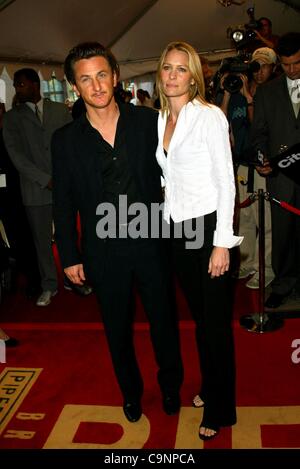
(41, 32)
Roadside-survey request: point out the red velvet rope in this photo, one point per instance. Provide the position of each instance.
(289, 207)
(282, 204)
(246, 202)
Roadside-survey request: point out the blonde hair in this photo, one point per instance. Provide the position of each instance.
(197, 90)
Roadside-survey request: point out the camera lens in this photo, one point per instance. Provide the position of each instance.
(232, 83)
(250, 35)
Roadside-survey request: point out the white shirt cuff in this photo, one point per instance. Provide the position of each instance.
(227, 240)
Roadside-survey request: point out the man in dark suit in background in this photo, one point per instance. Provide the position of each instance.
(276, 126)
(105, 154)
(27, 132)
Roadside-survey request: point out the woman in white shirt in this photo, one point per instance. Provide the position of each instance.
(195, 157)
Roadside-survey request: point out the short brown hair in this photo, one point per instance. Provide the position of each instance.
(87, 50)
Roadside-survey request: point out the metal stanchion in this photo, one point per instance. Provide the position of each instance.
(261, 322)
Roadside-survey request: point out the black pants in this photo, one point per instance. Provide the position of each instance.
(141, 261)
(210, 302)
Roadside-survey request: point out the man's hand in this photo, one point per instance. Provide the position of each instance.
(226, 97)
(265, 169)
(267, 42)
(218, 262)
(75, 273)
(245, 91)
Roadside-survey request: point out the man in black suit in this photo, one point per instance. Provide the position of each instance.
(276, 126)
(104, 155)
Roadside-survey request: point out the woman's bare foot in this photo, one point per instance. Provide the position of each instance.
(206, 433)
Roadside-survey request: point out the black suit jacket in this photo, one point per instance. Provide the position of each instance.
(78, 183)
(274, 125)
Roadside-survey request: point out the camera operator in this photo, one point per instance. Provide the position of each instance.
(267, 59)
(258, 33)
(237, 104)
(248, 216)
(234, 98)
(264, 35)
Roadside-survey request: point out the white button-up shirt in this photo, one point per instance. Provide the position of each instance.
(198, 171)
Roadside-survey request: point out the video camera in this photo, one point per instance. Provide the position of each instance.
(242, 36)
(235, 66)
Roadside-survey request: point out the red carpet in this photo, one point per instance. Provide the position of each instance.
(58, 390)
(69, 307)
(75, 403)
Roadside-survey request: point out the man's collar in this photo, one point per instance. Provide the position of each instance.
(292, 83)
(32, 105)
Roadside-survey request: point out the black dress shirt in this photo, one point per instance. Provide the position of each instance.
(116, 173)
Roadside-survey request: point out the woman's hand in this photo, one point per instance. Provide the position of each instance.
(218, 262)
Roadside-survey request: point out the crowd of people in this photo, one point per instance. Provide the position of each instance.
(199, 147)
(264, 121)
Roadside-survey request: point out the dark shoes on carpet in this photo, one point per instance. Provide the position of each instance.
(133, 411)
(275, 300)
(171, 404)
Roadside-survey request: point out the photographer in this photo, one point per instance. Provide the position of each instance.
(234, 98)
(237, 104)
(248, 217)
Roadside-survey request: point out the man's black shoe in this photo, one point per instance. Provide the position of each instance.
(274, 301)
(171, 404)
(132, 411)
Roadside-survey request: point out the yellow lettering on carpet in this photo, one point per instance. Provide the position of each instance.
(15, 384)
(61, 437)
(187, 430)
(27, 416)
(246, 433)
(20, 434)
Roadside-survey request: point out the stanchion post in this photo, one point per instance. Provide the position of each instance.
(261, 253)
(261, 322)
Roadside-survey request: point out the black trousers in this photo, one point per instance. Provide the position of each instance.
(130, 261)
(210, 302)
